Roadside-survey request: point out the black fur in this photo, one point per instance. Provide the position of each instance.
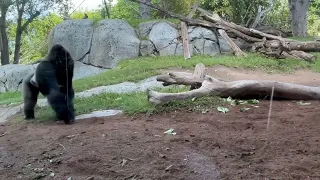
(51, 81)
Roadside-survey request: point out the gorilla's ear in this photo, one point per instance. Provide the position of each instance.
(33, 81)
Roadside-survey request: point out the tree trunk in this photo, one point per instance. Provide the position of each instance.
(17, 46)
(4, 37)
(144, 10)
(298, 10)
(20, 29)
(242, 89)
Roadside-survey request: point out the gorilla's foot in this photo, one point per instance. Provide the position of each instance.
(28, 114)
(28, 117)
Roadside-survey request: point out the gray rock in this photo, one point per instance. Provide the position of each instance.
(201, 33)
(211, 48)
(113, 40)
(180, 50)
(164, 37)
(74, 35)
(7, 112)
(168, 50)
(203, 40)
(125, 87)
(145, 28)
(203, 46)
(147, 48)
(104, 113)
(82, 70)
(11, 76)
(225, 48)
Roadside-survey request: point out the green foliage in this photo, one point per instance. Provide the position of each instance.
(237, 11)
(125, 9)
(314, 18)
(135, 22)
(34, 38)
(177, 6)
(280, 15)
(95, 15)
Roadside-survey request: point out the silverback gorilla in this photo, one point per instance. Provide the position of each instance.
(53, 79)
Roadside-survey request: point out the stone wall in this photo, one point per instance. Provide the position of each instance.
(109, 41)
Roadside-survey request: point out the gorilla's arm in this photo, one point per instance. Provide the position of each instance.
(30, 96)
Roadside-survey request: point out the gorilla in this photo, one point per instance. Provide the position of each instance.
(53, 79)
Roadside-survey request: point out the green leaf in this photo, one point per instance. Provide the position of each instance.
(222, 109)
(244, 109)
(303, 104)
(170, 131)
(253, 101)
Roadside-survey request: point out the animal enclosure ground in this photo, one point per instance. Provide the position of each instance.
(211, 145)
(208, 145)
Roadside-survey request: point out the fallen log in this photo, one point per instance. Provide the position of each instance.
(241, 89)
(237, 51)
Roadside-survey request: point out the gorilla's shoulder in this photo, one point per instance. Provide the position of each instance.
(45, 66)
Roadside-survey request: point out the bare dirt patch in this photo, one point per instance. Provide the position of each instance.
(209, 146)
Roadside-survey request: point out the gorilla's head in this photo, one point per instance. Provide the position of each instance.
(59, 55)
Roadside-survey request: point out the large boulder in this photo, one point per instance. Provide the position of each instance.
(82, 70)
(74, 35)
(204, 41)
(164, 37)
(147, 48)
(113, 40)
(11, 75)
(144, 28)
(226, 49)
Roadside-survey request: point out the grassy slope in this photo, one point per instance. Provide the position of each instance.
(137, 69)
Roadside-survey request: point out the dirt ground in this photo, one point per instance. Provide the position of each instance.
(207, 146)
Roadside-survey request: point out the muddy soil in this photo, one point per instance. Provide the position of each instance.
(208, 146)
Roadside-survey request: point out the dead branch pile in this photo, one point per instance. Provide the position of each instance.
(204, 85)
(256, 41)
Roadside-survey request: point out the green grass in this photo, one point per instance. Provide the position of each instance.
(135, 22)
(10, 98)
(307, 38)
(138, 69)
(131, 104)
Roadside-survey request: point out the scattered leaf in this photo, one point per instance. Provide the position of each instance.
(123, 162)
(204, 111)
(244, 109)
(222, 109)
(162, 155)
(303, 104)
(170, 131)
(253, 101)
(168, 168)
(193, 99)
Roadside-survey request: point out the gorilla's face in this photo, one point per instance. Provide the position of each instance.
(60, 56)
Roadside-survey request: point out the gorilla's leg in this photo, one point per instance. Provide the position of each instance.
(62, 106)
(30, 96)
